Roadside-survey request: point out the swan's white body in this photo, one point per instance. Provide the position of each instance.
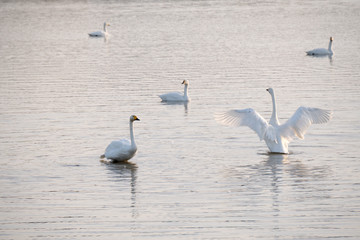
(122, 150)
(322, 51)
(276, 136)
(103, 33)
(177, 96)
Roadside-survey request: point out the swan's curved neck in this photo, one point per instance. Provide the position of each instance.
(132, 134)
(274, 119)
(330, 44)
(105, 28)
(186, 90)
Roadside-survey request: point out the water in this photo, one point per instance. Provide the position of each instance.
(65, 96)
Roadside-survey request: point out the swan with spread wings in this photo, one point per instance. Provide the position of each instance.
(277, 136)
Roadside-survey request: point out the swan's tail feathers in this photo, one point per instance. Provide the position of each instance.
(102, 156)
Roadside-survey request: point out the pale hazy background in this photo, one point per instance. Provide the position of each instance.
(65, 96)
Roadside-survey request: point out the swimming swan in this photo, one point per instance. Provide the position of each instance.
(100, 33)
(322, 51)
(122, 150)
(276, 136)
(177, 96)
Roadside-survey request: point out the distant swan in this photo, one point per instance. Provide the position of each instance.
(276, 136)
(100, 33)
(122, 150)
(177, 96)
(322, 51)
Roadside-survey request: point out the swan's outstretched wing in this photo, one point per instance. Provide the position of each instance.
(245, 117)
(301, 121)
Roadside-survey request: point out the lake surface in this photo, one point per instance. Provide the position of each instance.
(65, 97)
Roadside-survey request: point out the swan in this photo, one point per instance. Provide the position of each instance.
(322, 51)
(100, 33)
(177, 96)
(277, 136)
(123, 149)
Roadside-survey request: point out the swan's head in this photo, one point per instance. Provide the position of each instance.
(185, 82)
(331, 39)
(270, 90)
(134, 118)
(106, 24)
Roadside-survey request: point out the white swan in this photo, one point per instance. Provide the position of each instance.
(322, 51)
(276, 136)
(177, 96)
(100, 33)
(123, 149)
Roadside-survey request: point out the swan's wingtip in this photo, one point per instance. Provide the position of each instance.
(219, 115)
(331, 113)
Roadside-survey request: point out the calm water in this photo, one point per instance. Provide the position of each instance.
(65, 96)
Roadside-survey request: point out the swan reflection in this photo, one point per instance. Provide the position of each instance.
(287, 165)
(185, 104)
(124, 172)
(330, 57)
(273, 171)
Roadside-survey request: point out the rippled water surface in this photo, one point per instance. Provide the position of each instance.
(65, 96)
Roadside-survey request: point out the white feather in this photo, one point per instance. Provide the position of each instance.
(245, 117)
(276, 136)
(103, 33)
(123, 149)
(301, 120)
(177, 96)
(120, 150)
(322, 51)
